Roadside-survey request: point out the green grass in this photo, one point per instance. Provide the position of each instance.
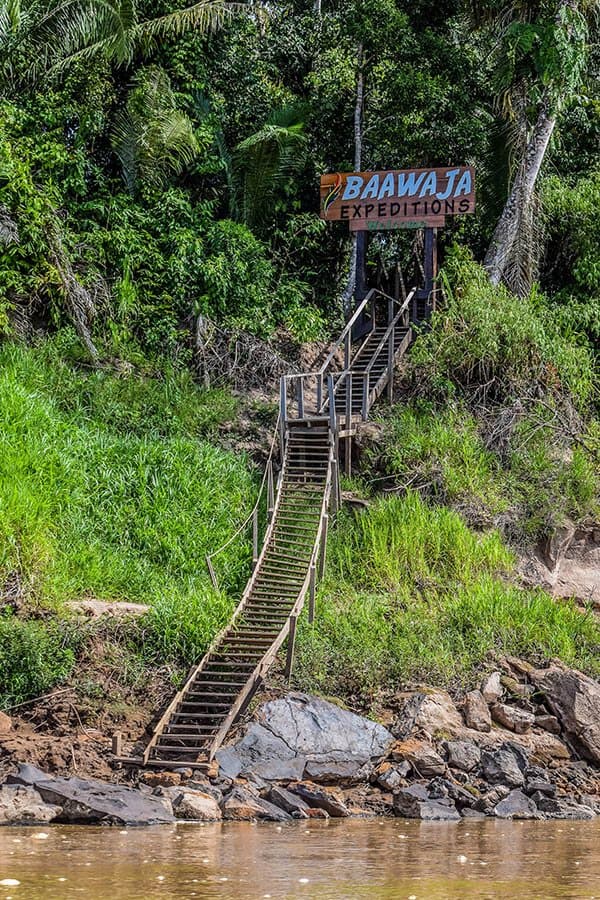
(441, 451)
(108, 488)
(411, 594)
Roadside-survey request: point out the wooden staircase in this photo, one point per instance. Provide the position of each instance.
(317, 409)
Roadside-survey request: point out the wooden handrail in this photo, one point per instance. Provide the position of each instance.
(389, 330)
(347, 330)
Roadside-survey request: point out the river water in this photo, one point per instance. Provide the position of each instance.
(388, 859)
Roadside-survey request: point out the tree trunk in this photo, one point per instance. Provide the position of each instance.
(507, 229)
(358, 115)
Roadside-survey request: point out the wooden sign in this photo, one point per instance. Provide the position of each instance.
(425, 196)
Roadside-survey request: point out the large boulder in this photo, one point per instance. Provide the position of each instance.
(516, 805)
(575, 699)
(424, 758)
(512, 717)
(414, 803)
(299, 729)
(463, 755)
(21, 805)
(325, 798)
(242, 805)
(89, 800)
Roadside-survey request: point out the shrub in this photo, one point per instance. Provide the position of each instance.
(33, 658)
(489, 342)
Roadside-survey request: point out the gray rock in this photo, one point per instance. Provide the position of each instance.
(489, 801)
(443, 788)
(297, 729)
(422, 756)
(89, 800)
(517, 720)
(463, 755)
(206, 787)
(241, 806)
(20, 805)
(476, 712)
(468, 813)
(540, 787)
(393, 777)
(506, 765)
(428, 712)
(516, 806)
(562, 809)
(575, 700)
(326, 798)
(414, 803)
(332, 771)
(491, 688)
(291, 803)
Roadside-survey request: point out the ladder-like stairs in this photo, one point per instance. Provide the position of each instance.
(219, 688)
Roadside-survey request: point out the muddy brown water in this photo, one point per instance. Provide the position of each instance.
(335, 860)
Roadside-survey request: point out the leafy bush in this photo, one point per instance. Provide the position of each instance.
(525, 483)
(33, 658)
(488, 341)
(440, 451)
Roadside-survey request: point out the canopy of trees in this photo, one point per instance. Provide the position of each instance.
(159, 163)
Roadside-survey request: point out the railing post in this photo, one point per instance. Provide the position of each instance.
(319, 392)
(323, 551)
(212, 574)
(289, 662)
(300, 397)
(255, 537)
(390, 384)
(365, 396)
(282, 411)
(270, 490)
(347, 349)
(334, 486)
(331, 395)
(348, 423)
(348, 399)
(311, 593)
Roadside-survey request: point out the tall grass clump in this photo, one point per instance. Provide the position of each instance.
(33, 658)
(111, 491)
(412, 595)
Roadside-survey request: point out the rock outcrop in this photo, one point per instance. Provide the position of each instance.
(300, 732)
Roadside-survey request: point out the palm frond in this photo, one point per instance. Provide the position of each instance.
(151, 137)
(265, 160)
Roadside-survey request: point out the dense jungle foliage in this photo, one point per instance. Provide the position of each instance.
(160, 243)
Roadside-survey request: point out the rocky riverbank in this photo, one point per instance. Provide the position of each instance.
(526, 745)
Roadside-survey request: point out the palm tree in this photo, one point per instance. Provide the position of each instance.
(541, 58)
